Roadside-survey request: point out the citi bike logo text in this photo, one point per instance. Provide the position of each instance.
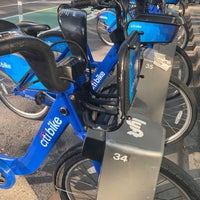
(5, 65)
(135, 126)
(47, 134)
(97, 79)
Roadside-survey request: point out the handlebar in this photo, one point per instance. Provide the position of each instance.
(121, 7)
(83, 3)
(97, 4)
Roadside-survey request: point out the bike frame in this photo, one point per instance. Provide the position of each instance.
(55, 122)
(39, 148)
(19, 70)
(61, 114)
(58, 118)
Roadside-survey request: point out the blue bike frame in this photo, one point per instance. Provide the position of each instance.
(61, 114)
(16, 67)
(54, 124)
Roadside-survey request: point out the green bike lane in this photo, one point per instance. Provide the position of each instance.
(45, 16)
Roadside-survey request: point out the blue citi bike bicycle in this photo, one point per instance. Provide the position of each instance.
(106, 23)
(106, 20)
(104, 110)
(179, 124)
(34, 101)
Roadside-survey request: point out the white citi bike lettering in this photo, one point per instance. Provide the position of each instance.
(48, 133)
(5, 65)
(97, 79)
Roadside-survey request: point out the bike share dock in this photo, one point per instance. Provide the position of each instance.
(186, 154)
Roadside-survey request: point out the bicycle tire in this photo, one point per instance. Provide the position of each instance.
(66, 174)
(182, 66)
(50, 33)
(183, 33)
(21, 106)
(181, 8)
(180, 112)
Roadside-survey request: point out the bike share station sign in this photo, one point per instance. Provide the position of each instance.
(133, 153)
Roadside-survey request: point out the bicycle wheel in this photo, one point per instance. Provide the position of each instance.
(22, 106)
(182, 66)
(76, 178)
(180, 112)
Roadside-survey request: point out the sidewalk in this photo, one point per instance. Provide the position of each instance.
(20, 191)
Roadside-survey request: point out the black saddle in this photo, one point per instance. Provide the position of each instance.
(7, 26)
(32, 28)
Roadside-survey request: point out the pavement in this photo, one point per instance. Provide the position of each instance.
(39, 186)
(21, 190)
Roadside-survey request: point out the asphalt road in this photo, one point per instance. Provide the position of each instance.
(16, 133)
(11, 8)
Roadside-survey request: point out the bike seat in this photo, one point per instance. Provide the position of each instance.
(32, 28)
(39, 56)
(7, 26)
(73, 24)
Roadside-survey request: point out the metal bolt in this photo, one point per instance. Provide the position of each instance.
(64, 111)
(72, 97)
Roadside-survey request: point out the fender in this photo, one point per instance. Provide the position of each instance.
(15, 66)
(109, 18)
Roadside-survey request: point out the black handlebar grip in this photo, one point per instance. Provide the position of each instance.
(83, 3)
